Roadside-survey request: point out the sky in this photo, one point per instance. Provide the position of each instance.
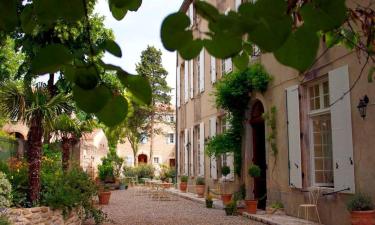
(138, 30)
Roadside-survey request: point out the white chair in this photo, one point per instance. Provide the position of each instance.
(314, 194)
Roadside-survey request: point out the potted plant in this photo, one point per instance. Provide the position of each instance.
(183, 184)
(200, 186)
(104, 195)
(123, 185)
(251, 204)
(209, 201)
(225, 197)
(362, 210)
(231, 208)
(276, 207)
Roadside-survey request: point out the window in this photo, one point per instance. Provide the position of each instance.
(171, 119)
(170, 138)
(197, 143)
(143, 139)
(156, 160)
(321, 134)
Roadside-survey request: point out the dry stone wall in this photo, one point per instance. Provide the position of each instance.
(41, 216)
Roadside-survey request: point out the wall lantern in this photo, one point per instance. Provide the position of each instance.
(362, 106)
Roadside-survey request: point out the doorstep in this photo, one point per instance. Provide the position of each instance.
(261, 216)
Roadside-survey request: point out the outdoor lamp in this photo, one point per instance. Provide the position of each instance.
(362, 106)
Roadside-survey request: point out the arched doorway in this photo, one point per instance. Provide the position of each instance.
(142, 158)
(259, 153)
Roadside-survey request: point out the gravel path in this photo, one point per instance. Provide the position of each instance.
(125, 208)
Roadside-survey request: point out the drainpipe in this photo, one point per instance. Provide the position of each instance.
(176, 126)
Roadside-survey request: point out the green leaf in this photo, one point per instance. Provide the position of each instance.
(268, 27)
(50, 59)
(174, 33)
(332, 39)
(324, 15)
(241, 61)
(371, 74)
(139, 86)
(72, 10)
(223, 46)
(91, 101)
(113, 48)
(114, 112)
(300, 50)
(48, 11)
(117, 13)
(8, 15)
(191, 50)
(206, 10)
(28, 22)
(69, 73)
(86, 77)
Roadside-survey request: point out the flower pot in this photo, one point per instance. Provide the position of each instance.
(200, 190)
(251, 206)
(209, 203)
(363, 217)
(226, 198)
(183, 186)
(104, 197)
(122, 187)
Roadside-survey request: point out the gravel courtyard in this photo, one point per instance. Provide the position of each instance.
(127, 208)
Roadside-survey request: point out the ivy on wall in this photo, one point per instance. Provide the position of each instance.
(232, 94)
(270, 118)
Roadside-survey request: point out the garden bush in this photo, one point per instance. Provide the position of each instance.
(144, 171)
(5, 191)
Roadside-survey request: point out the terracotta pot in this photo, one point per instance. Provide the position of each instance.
(104, 197)
(363, 217)
(226, 198)
(183, 186)
(251, 206)
(200, 190)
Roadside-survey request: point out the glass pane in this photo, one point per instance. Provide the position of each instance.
(329, 177)
(318, 164)
(319, 177)
(326, 101)
(328, 164)
(325, 88)
(318, 151)
(317, 103)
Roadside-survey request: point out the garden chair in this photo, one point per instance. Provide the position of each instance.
(314, 194)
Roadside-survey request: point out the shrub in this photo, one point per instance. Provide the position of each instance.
(254, 171)
(167, 172)
(4, 220)
(184, 178)
(225, 170)
(5, 191)
(360, 202)
(200, 181)
(144, 171)
(106, 171)
(129, 171)
(277, 205)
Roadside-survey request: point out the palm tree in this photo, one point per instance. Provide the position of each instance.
(33, 106)
(70, 129)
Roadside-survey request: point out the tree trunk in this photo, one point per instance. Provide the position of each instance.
(152, 138)
(34, 153)
(65, 153)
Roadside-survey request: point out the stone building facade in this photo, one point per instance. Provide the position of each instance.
(322, 139)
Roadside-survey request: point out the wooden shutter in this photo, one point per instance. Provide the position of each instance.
(213, 164)
(191, 149)
(186, 156)
(178, 94)
(191, 14)
(201, 149)
(294, 137)
(201, 71)
(186, 81)
(341, 122)
(213, 69)
(191, 75)
(230, 163)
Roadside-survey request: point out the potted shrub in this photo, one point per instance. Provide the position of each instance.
(251, 204)
(231, 208)
(362, 210)
(200, 186)
(106, 173)
(209, 201)
(225, 197)
(104, 195)
(183, 184)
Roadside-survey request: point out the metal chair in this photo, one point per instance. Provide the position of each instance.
(314, 194)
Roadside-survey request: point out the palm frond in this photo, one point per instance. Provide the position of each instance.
(13, 100)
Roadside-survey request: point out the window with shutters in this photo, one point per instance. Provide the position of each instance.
(222, 129)
(321, 134)
(197, 147)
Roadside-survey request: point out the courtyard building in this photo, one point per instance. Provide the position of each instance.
(322, 139)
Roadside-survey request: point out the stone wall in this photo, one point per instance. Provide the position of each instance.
(41, 216)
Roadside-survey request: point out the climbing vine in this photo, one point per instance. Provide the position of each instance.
(232, 94)
(270, 118)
